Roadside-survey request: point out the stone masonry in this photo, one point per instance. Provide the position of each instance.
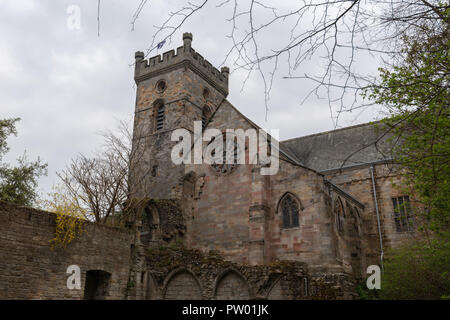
(29, 269)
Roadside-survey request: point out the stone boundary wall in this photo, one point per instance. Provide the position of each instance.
(29, 269)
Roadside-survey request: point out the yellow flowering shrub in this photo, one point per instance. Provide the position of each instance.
(70, 218)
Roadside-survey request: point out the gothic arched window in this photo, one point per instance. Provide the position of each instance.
(150, 230)
(339, 214)
(290, 211)
(353, 227)
(159, 107)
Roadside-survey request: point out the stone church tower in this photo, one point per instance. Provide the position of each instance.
(172, 93)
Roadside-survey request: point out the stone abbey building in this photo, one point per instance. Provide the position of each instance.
(220, 231)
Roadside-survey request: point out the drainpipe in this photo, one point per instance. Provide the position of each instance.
(378, 215)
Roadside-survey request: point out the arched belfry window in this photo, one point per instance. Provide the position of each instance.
(205, 115)
(159, 113)
(289, 208)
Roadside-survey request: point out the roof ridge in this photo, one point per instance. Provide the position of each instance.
(331, 131)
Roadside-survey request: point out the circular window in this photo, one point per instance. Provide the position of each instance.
(229, 156)
(161, 86)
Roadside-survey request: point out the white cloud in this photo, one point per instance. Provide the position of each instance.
(18, 6)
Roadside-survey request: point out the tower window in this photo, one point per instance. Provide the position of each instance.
(159, 115)
(205, 94)
(289, 208)
(154, 168)
(402, 214)
(205, 115)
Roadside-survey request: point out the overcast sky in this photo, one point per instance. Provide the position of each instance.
(67, 85)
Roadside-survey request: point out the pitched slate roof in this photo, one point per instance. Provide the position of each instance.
(360, 144)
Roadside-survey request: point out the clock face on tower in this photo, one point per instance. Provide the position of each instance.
(229, 156)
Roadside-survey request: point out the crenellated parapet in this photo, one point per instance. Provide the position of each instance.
(185, 57)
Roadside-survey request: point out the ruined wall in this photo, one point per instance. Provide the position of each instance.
(30, 270)
(162, 221)
(182, 286)
(175, 272)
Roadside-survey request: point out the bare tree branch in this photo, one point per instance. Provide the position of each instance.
(335, 33)
(101, 184)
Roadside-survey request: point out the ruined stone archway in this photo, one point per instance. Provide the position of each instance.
(231, 285)
(182, 284)
(151, 227)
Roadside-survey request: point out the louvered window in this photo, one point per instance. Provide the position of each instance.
(203, 120)
(205, 116)
(160, 117)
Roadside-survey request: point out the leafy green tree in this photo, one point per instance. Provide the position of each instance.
(7, 127)
(18, 184)
(419, 270)
(416, 93)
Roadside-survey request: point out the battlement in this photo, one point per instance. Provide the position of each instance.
(186, 57)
